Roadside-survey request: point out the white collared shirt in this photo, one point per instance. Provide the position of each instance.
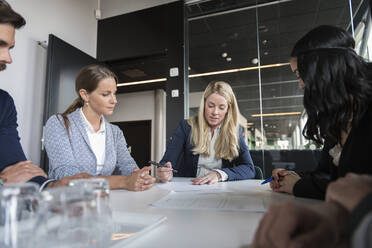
(97, 141)
(209, 163)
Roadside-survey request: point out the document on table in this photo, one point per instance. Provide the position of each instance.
(218, 201)
(187, 186)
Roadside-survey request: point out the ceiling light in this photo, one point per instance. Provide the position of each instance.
(224, 55)
(262, 29)
(233, 36)
(228, 59)
(266, 53)
(142, 82)
(206, 74)
(276, 114)
(254, 61)
(237, 70)
(264, 42)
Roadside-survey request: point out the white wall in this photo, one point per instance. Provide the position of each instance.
(70, 20)
(135, 107)
(195, 98)
(111, 8)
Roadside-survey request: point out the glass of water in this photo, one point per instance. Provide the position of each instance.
(19, 209)
(69, 217)
(101, 190)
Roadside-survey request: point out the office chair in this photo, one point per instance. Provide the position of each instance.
(259, 174)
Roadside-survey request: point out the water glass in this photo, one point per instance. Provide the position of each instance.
(69, 218)
(101, 190)
(19, 209)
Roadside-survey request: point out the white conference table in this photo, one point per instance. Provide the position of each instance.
(199, 228)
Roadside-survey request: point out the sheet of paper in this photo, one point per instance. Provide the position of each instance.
(187, 186)
(219, 201)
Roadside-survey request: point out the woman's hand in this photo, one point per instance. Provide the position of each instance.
(211, 178)
(274, 184)
(164, 174)
(284, 180)
(140, 180)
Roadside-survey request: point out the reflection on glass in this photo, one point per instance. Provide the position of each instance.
(271, 102)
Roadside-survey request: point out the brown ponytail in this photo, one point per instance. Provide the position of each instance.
(77, 103)
(88, 79)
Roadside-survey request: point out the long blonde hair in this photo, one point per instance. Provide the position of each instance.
(227, 143)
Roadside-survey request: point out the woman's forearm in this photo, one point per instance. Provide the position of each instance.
(117, 181)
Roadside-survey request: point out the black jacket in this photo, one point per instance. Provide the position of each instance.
(10, 147)
(356, 157)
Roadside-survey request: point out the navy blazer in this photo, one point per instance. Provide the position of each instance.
(10, 148)
(179, 153)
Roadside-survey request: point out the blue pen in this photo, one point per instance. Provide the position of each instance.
(272, 178)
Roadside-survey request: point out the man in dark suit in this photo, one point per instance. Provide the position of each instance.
(14, 167)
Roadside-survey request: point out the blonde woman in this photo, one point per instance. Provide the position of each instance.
(208, 146)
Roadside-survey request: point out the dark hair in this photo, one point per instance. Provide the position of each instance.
(88, 78)
(9, 16)
(323, 37)
(338, 83)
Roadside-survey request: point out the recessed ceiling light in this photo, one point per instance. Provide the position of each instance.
(228, 59)
(264, 42)
(224, 55)
(266, 53)
(262, 29)
(254, 61)
(233, 36)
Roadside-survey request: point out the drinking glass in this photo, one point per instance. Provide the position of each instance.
(19, 205)
(69, 218)
(101, 190)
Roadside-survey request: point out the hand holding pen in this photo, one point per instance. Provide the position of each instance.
(163, 172)
(284, 181)
(276, 175)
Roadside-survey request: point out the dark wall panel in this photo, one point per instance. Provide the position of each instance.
(153, 31)
(135, 34)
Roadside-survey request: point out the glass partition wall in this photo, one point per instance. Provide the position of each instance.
(248, 44)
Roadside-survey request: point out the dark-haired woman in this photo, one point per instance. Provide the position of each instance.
(81, 140)
(337, 87)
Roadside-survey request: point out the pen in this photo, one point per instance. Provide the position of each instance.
(160, 165)
(272, 178)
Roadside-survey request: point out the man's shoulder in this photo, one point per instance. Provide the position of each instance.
(4, 96)
(6, 104)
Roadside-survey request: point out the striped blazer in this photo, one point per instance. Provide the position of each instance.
(70, 153)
